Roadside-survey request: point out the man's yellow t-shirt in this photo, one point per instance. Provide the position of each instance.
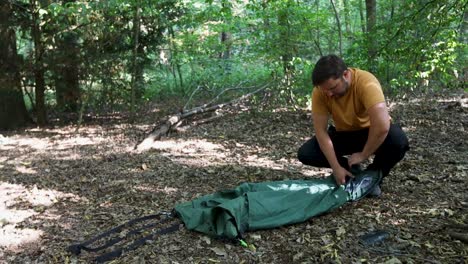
(349, 112)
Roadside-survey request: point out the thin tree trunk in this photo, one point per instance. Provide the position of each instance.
(136, 34)
(284, 42)
(179, 73)
(338, 25)
(140, 69)
(362, 17)
(38, 66)
(225, 36)
(392, 12)
(463, 28)
(462, 76)
(175, 63)
(317, 30)
(226, 40)
(371, 18)
(347, 19)
(226, 53)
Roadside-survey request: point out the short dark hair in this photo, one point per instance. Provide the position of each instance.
(329, 66)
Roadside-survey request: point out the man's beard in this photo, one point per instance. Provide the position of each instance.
(345, 90)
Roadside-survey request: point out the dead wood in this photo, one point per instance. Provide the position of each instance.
(175, 120)
(459, 236)
(457, 226)
(197, 123)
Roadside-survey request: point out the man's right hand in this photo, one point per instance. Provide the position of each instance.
(340, 174)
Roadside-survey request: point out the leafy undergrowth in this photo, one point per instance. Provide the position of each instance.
(58, 187)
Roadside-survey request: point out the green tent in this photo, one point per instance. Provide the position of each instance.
(228, 214)
(253, 206)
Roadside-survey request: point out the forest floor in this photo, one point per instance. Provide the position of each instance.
(59, 187)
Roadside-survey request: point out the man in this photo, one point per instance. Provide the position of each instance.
(362, 125)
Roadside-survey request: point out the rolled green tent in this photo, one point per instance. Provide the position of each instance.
(230, 213)
(253, 206)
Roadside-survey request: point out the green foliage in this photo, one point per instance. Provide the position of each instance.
(207, 77)
(419, 45)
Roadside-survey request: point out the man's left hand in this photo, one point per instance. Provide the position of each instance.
(356, 158)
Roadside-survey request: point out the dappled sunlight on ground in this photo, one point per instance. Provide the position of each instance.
(52, 143)
(188, 146)
(202, 153)
(25, 170)
(19, 204)
(58, 187)
(155, 189)
(12, 238)
(193, 152)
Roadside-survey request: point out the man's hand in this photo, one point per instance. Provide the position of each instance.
(340, 174)
(356, 158)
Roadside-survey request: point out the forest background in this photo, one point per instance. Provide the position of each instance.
(115, 55)
(82, 83)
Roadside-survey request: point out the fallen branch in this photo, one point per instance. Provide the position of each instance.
(459, 236)
(174, 120)
(454, 225)
(197, 123)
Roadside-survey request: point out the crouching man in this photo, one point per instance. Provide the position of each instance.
(362, 126)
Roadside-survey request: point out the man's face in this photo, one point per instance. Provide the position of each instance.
(336, 88)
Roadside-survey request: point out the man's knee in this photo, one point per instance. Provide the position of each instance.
(399, 138)
(303, 154)
(397, 142)
(310, 153)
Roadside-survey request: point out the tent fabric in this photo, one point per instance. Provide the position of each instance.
(253, 206)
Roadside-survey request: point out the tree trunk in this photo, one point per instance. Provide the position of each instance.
(66, 71)
(362, 18)
(175, 62)
(463, 35)
(136, 34)
(38, 65)
(338, 25)
(371, 19)
(226, 53)
(226, 38)
(392, 12)
(317, 30)
(284, 43)
(347, 19)
(463, 38)
(13, 112)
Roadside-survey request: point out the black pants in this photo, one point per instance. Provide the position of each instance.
(391, 151)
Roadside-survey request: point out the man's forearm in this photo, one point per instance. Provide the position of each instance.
(375, 138)
(378, 130)
(326, 145)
